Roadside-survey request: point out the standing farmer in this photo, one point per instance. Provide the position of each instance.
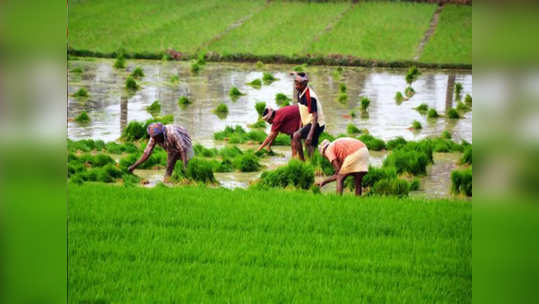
(285, 120)
(348, 156)
(174, 139)
(312, 117)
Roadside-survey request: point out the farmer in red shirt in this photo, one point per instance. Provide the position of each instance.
(285, 120)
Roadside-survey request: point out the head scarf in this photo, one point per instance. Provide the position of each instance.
(323, 145)
(269, 114)
(155, 129)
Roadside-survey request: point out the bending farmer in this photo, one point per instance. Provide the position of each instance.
(312, 117)
(285, 120)
(348, 156)
(174, 139)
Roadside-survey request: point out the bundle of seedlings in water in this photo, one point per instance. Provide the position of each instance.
(174, 78)
(375, 174)
(432, 113)
(412, 75)
(202, 151)
(221, 111)
(120, 62)
(408, 161)
(131, 84)
(76, 70)
(229, 152)
(82, 118)
(416, 125)
(137, 73)
(414, 185)
(467, 156)
(396, 143)
(409, 92)
(453, 114)
(198, 170)
(352, 114)
(399, 97)
(296, 174)
(195, 67)
(85, 145)
(268, 78)
(461, 181)
(115, 148)
(154, 108)
(183, 101)
(321, 165)
(351, 129)
(82, 92)
(282, 100)
(282, 140)
(372, 143)
(365, 102)
(343, 97)
(342, 87)
(260, 107)
(259, 124)
(235, 93)
(257, 83)
(446, 134)
(395, 186)
(458, 91)
(248, 162)
(462, 107)
(422, 108)
(259, 64)
(134, 131)
(228, 132)
(468, 99)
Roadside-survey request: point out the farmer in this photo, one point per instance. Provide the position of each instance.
(174, 139)
(312, 116)
(285, 120)
(348, 156)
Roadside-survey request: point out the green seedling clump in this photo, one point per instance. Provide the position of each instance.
(82, 118)
(446, 134)
(396, 143)
(462, 107)
(467, 156)
(183, 101)
(221, 109)
(395, 186)
(453, 114)
(409, 92)
(198, 170)
(412, 75)
(259, 124)
(468, 99)
(202, 151)
(248, 162)
(257, 83)
(416, 125)
(413, 162)
(353, 114)
(131, 83)
(342, 87)
(174, 78)
(461, 181)
(343, 97)
(372, 143)
(282, 140)
(296, 174)
(414, 185)
(85, 145)
(137, 73)
(154, 108)
(119, 63)
(399, 97)
(321, 165)
(260, 107)
(77, 70)
(432, 113)
(376, 174)
(300, 68)
(134, 131)
(82, 92)
(422, 108)
(365, 102)
(195, 67)
(282, 100)
(268, 78)
(458, 91)
(259, 64)
(115, 148)
(235, 92)
(352, 129)
(229, 152)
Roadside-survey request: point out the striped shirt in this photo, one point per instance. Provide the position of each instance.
(176, 140)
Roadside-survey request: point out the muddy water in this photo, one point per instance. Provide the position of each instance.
(111, 107)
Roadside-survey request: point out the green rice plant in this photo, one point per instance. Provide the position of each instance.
(137, 73)
(183, 101)
(461, 181)
(247, 162)
(467, 156)
(174, 78)
(321, 165)
(412, 75)
(343, 97)
(458, 91)
(228, 132)
(468, 99)
(268, 78)
(282, 100)
(282, 140)
(198, 170)
(342, 87)
(221, 109)
(395, 186)
(225, 165)
(202, 151)
(259, 64)
(259, 124)
(372, 143)
(399, 97)
(409, 92)
(130, 180)
(77, 70)
(154, 108)
(296, 174)
(235, 93)
(453, 114)
(462, 107)
(396, 143)
(352, 129)
(413, 162)
(257, 136)
(119, 63)
(300, 68)
(115, 148)
(100, 160)
(82, 92)
(365, 102)
(85, 145)
(352, 114)
(260, 107)
(229, 152)
(82, 118)
(131, 84)
(432, 113)
(195, 67)
(446, 134)
(201, 58)
(257, 83)
(416, 125)
(415, 184)
(134, 131)
(376, 174)
(422, 108)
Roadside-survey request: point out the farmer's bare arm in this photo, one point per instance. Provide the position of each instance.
(337, 166)
(147, 152)
(268, 141)
(313, 126)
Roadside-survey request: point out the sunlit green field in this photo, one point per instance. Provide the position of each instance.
(378, 30)
(191, 244)
(452, 40)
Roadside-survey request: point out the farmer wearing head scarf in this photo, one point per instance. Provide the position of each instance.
(312, 116)
(174, 139)
(285, 120)
(348, 156)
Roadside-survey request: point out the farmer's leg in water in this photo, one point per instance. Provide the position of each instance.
(358, 178)
(340, 183)
(296, 141)
(293, 146)
(172, 157)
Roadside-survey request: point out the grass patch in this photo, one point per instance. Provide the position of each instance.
(244, 246)
(415, 184)
(82, 118)
(282, 100)
(82, 92)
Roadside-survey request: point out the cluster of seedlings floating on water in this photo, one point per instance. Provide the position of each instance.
(82, 118)
(131, 84)
(183, 101)
(221, 110)
(256, 83)
(137, 73)
(154, 108)
(365, 102)
(235, 93)
(268, 78)
(82, 92)
(416, 125)
(282, 100)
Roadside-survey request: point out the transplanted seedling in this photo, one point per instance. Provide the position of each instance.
(82, 118)
(235, 93)
(422, 108)
(82, 92)
(131, 84)
(221, 111)
(183, 101)
(416, 125)
(432, 113)
(137, 73)
(154, 108)
(257, 83)
(268, 78)
(260, 107)
(282, 100)
(399, 97)
(453, 114)
(365, 102)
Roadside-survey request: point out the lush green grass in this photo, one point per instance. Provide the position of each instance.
(151, 26)
(452, 40)
(189, 244)
(378, 30)
(285, 28)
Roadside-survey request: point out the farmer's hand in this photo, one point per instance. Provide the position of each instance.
(309, 140)
(130, 169)
(319, 184)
